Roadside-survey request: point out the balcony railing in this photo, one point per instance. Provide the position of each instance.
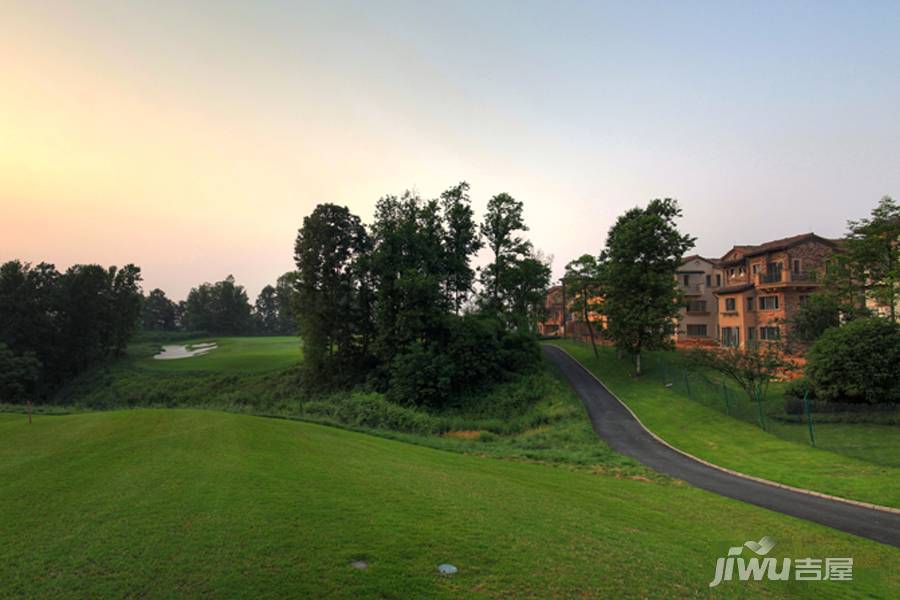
(788, 277)
(691, 288)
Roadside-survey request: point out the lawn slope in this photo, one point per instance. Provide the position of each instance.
(232, 354)
(737, 445)
(163, 503)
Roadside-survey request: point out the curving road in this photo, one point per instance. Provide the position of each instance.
(624, 434)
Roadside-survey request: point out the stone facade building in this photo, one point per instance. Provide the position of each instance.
(765, 284)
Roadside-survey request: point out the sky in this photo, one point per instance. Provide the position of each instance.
(191, 138)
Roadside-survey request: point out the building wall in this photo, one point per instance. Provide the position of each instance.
(696, 289)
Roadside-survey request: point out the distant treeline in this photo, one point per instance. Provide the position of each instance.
(55, 325)
(224, 308)
(394, 304)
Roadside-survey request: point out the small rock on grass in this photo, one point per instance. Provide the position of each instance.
(447, 569)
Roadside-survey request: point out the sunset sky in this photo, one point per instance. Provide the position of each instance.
(191, 138)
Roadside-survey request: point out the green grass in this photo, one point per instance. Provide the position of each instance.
(233, 354)
(738, 445)
(174, 503)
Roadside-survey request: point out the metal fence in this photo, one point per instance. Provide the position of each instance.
(861, 435)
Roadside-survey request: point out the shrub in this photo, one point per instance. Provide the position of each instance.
(859, 362)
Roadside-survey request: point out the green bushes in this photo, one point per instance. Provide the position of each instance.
(858, 362)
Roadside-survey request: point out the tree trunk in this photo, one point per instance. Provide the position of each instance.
(590, 329)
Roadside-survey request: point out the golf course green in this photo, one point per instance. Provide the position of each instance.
(241, 354)
(159, 503)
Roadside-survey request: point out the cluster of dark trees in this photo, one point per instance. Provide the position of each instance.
(394, 302)
(224, 308)
(54, 325)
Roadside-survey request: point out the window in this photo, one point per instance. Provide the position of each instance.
(750, 303)
(803, 299)
(718, 279)
(696, 330)
(768, 302)
(709, 281)
(730, 304)
(696, 306)
(731, 336)
(731, 272)
(755, 269)
(751, 334)
(769, 333)
(686, 279)
(796, 265)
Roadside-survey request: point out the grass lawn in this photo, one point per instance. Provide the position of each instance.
(738, 445)
(232, 354)
(163, 503)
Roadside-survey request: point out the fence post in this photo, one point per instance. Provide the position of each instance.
(727, 404)
(809, 419)
(762, 421)
(687, 383)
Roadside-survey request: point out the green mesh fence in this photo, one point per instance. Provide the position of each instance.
(873, 438)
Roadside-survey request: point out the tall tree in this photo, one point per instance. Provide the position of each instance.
(286, 300)
(524, 283)
(461, 242)
(158, 312)
(582, 282)
(126, 304)
(327, 251)
(501, 224)
(643, 250)
(266, 311)
(873, 252)
(222, 307)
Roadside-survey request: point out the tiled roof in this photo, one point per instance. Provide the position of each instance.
(777, 245)
(712, 261)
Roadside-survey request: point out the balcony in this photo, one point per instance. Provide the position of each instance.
(691, 288)
(777, 278)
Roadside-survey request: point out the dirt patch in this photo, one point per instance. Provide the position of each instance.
(463, 435)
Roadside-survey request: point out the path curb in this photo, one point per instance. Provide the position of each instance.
(775, 484)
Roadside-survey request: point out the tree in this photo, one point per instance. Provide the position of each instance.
(643, 250)
(126, 305)
(751, 368)
(19, 374)
(502, 221)
(461, 242)
(524, 284)
(158, 312)
(222, 307)
(817, 314)
(266, 311)
(328, 251)
(858, 362)
(873, 254)
(286, 301)
(582, 281)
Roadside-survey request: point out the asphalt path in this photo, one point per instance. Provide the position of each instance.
(620, 429)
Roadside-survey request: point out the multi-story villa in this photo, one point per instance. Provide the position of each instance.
(698, 278)
(765, 284)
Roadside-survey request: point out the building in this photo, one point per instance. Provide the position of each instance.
(765, 284)
(698, 279)
(555, 314)
(561, 321)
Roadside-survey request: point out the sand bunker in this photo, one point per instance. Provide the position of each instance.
(173, 352)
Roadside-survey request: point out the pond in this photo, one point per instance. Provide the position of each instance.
(174, 352)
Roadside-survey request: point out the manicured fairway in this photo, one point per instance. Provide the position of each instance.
(738, 445)
(233, 354)
(165, 503)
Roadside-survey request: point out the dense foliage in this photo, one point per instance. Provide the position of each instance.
(641, 304)
(858, 362)
(867, 270)
(392, 303)
(54, 325)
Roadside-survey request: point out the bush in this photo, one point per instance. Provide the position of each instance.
(859, 362)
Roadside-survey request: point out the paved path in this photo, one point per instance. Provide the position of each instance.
(616, 425)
